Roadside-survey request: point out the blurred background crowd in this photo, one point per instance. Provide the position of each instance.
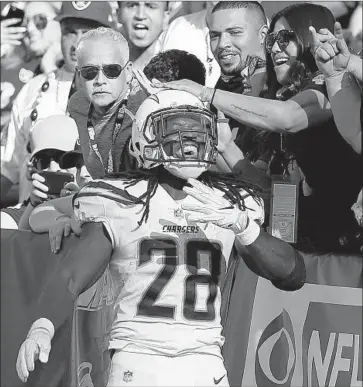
(307, 129)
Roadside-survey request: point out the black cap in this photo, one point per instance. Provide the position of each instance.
(99, 11)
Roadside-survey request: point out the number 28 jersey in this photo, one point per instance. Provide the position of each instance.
(165, 271)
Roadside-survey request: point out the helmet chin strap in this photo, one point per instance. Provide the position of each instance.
(185, 172)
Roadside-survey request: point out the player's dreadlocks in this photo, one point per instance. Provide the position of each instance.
(230, 184)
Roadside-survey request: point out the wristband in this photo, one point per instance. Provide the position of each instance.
(42, 323)
(241, 224)
(250, 234)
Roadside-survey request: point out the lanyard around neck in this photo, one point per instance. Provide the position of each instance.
(115, 132)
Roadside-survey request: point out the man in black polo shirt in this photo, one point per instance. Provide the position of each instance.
(237, 31)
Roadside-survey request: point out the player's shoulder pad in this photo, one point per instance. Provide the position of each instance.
(111, 190)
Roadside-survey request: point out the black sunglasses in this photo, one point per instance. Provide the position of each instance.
(40, 21)
(111, 71)
(42, 160)
(283, 38)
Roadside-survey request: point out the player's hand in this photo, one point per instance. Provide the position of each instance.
(330, 51)
(36, 346)
(224, 133)
(182, 85)
(213, 208)
(63, 227)
(39, 190)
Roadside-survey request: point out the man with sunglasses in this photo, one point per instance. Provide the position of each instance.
(47, 94)
(105, 104)
(50, 139)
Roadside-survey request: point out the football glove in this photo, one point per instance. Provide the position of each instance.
(214, 208)
(36, 346)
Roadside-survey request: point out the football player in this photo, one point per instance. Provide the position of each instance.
(167, 232)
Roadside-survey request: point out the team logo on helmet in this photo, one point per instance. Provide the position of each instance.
(81, 5)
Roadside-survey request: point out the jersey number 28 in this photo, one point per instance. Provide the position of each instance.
(169, 249)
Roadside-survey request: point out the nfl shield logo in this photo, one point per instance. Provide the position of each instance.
(128, 376)
(178, 213)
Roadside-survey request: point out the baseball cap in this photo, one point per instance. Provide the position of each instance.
(99, 11)
(69, 159)
(56, 132)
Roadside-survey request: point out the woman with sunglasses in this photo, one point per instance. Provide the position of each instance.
(295, 104)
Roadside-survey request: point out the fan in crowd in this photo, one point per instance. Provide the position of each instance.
(49, 139)
(295, 105)
(142, 24)
(46, 94)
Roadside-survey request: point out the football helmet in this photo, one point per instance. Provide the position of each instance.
(173, 128)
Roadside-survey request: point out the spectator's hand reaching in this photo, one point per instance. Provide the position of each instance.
(331, 52)
(10, 36)
(182, 85)
(63, 227)
(224, 133)
(145, 84)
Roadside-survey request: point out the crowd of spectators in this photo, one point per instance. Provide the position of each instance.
(285, 82)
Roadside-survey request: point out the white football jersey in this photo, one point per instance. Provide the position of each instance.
(166, 271)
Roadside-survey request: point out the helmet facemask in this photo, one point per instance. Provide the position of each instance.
(181, 138)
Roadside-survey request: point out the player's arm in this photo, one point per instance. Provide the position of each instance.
(271, 258)
(81, 267)
(265, 255)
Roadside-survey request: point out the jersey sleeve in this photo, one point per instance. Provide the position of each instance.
(105, 202)
(89, 207)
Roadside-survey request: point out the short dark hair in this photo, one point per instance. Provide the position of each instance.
(251, 6)
(119, 3)
(172, 65)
